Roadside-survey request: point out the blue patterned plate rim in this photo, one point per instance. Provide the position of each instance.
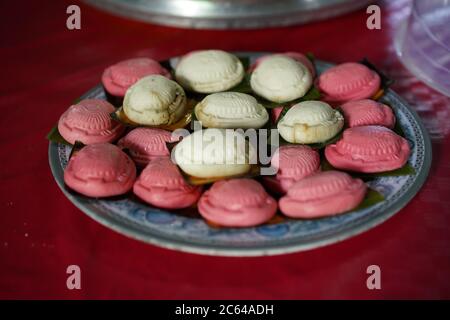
(172, 231)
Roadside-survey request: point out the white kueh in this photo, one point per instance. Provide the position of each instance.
(279, 78)
(155, 100)
(231, 110)
(310, 122)
(209, 71)
(214, 152)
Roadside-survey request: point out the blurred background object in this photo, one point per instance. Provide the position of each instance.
(226, 14)
(423, 43)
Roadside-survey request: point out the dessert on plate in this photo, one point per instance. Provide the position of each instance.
(310, 122)
(117, 78)
(237, 203)
(209, 71)
(279, 78)
(293, 163)
(323, 194)
(368, 149)
(367, 112)
(231, 110)
(145, 144)
(224, 160)
(162, 185)
(89, 122)
(100, 170)
(348, 81)
(300, 57)
(155, 100)
(213, 152)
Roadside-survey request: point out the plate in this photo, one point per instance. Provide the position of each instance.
(226, 14)
(190, 234)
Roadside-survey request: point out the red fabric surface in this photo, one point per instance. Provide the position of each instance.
(45, 67)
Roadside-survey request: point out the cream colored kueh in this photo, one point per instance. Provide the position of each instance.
(214, 152)
(279, 78)
(310, 122)
(155, 100)
(231, 110)
(209, 71)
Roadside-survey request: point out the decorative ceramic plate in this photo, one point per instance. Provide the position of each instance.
(191, 234)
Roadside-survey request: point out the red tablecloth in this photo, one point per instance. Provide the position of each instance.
(45, 66)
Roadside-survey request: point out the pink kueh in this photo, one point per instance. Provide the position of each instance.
(89, 122)
(100, 170)
(118, 78)
(162, 185)
(237, 203)
(145, 144)
(369, 149)
(348, 81)
(276, 112)
(293, 163)
(367, 112)
(323, 194)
